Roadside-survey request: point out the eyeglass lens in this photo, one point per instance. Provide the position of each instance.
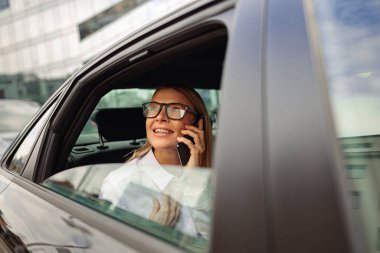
(173, 110)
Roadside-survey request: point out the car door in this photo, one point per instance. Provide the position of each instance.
(285, 189)
(303, 182)
(39, 219)
(239, 152)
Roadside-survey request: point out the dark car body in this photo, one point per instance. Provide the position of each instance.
(279, 174)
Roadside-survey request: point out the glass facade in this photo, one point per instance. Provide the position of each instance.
(42, 42)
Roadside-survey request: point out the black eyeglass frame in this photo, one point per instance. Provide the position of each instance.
(187, 108)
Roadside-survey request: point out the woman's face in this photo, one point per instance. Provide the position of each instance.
(161, 131)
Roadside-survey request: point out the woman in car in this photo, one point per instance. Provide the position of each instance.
(171, 197)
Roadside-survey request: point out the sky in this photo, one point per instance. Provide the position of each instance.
(350, 36)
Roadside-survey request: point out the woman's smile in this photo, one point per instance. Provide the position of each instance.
(162, 131)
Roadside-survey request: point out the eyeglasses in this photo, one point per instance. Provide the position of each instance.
(173, 110)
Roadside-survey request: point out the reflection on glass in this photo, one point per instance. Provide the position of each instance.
(17, 113)
(24, 150)
(109, 15)
(350, 43)
(12, 241)
(14, 115)
(130, 194)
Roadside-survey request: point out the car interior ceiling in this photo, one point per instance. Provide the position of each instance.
(199, 67)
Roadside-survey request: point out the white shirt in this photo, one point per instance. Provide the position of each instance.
(133, 185)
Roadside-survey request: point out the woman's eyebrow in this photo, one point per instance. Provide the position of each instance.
(167, 102)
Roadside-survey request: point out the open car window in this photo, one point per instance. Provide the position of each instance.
(127, 98)
(116, 126)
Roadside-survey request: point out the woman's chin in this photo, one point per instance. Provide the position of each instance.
(164, 146)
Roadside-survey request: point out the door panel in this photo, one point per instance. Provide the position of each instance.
(38, 225)
(4, 182)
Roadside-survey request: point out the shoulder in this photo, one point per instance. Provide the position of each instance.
(125, 171)
(115, 182)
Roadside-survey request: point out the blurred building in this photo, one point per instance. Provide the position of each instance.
(42, 42)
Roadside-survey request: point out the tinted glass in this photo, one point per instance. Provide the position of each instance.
(25, 149)
(16, 114)
(127, 193)
(349, 33)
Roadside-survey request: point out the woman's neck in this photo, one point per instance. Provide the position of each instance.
(166, 156)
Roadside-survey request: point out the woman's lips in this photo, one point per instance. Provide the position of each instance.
(162, 131)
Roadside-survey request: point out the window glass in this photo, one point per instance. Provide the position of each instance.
(15, 114)
(25, 149)
(133, 192)
(127, 193)
(349, 34)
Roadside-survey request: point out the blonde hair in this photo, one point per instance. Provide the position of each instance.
(199, 106)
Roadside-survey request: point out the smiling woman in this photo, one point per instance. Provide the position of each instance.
(173, 113)
(164, 130)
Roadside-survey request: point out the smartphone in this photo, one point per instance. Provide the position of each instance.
(183, 150)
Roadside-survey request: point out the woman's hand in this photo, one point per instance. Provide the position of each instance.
(198, 147)
(166, 214)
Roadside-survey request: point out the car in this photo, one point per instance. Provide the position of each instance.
(15, 114)
(292, 91)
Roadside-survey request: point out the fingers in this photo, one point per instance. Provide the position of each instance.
(156, 205)
(155, 208)
(166, 202)
(198, 144)
(198, 129)
(167, 213)
(197, 134)
(173, 212)
(177, 211)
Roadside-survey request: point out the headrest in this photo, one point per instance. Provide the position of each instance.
(116, 124)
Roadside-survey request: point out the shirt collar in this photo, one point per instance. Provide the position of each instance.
(154, 170)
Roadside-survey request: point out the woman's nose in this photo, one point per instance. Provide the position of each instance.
(162, 115)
